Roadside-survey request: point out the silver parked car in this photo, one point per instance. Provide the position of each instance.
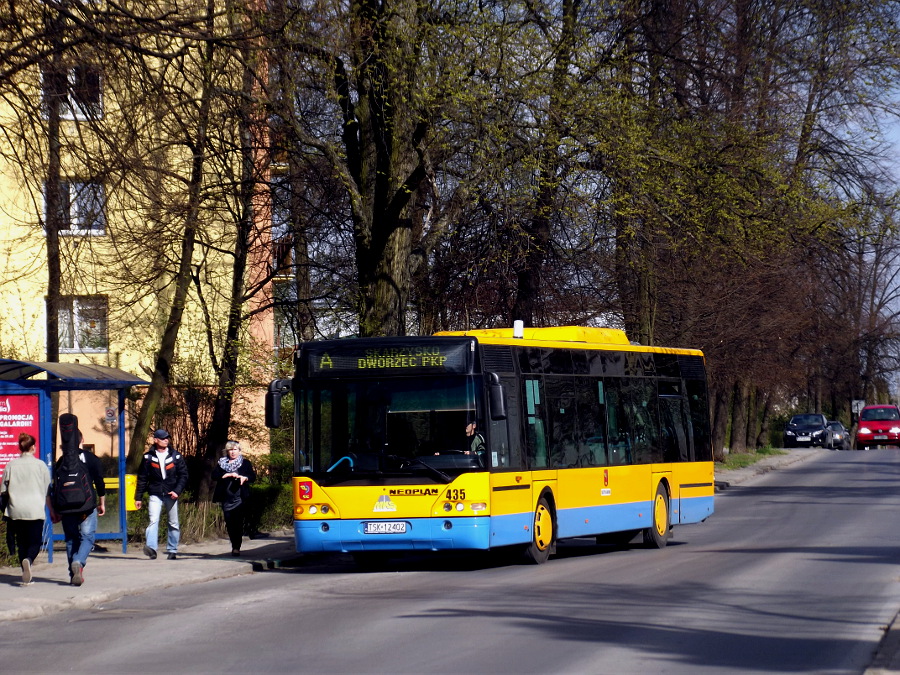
(840, 436)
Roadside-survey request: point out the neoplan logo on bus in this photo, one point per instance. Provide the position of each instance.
(413, 492)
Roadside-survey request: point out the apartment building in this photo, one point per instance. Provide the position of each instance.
(126, 168)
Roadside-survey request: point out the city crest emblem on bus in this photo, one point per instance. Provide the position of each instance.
(384, 503)
(304, 490)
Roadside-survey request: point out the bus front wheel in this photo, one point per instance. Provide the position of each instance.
(657, 534)
(543, 534)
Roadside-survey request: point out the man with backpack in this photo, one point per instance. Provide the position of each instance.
(79, 496)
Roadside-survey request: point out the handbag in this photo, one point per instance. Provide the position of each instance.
(4, 502)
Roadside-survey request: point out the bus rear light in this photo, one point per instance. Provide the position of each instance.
(448, 525)
(479, 506)
(325, 527)
(313, 510)
(448, 506)
(460, 506)
(325, 508)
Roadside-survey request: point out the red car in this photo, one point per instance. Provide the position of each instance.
(878, 425)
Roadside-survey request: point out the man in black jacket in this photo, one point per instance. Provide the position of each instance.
(164, 475)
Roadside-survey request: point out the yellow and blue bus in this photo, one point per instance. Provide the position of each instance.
(495, 438)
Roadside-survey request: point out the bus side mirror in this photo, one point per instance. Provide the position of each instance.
(497, 397)
(277, 388)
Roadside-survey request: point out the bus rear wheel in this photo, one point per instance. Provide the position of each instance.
(543, 534)
(657, 534)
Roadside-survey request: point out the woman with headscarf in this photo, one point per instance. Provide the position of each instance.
(233, 476)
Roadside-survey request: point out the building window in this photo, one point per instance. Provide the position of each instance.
(287, 320)
(79, 89)
(83, 324)
(282, 233)
(82, 208)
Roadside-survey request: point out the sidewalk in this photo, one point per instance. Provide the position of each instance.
(112, 575)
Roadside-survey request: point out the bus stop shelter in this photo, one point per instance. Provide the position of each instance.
(25, 406)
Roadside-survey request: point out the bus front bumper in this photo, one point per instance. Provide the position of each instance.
(420, 534)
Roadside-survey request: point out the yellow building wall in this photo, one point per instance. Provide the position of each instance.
(94, 265)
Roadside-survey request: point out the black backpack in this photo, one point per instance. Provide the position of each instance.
(73, 492)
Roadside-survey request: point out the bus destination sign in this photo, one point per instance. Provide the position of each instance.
(396, 359)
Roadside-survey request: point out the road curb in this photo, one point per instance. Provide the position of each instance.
(727, 478)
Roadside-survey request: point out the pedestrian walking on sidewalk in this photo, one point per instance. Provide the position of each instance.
(164, 475)
(79, 496)
(24, 489)
(233, 476)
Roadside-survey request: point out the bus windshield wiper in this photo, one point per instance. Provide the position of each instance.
(415, 460)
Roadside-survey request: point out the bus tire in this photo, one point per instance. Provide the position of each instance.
(657, 534)
(543, 533)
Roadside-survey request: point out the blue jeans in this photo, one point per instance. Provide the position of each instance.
(154, 509)
(79, 530)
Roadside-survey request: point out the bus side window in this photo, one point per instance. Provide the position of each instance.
(535, 437)
(673, 433)
(562, 412)
(506, 435)
(591, 404)
(617, 424)
(639, 395)
(699, 409)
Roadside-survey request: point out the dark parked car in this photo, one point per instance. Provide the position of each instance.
(840, 436)
(807, 430)
(878, 425)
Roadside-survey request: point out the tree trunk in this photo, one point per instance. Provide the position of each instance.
(739, 406)
(253, 164)
(163, 365)
(720, 397)
(762, 439)
(536, 237)
(752, 418)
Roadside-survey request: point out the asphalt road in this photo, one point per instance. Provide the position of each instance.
(795, 573)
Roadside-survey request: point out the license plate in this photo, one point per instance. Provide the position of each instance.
(802, 438)
(385, 527)
(881, 438)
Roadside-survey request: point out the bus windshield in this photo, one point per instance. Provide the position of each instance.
(353, 428)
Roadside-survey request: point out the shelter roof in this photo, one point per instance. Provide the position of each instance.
(63, 376)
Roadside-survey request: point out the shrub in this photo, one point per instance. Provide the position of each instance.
(198, 521)
(274, 469)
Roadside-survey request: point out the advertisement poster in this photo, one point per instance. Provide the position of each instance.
(18, 413)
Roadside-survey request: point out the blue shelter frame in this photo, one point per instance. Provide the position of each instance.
(24, 377)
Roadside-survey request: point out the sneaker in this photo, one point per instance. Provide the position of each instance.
(77, 573)
(26, 571)
(150, 552)
(172, 556)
